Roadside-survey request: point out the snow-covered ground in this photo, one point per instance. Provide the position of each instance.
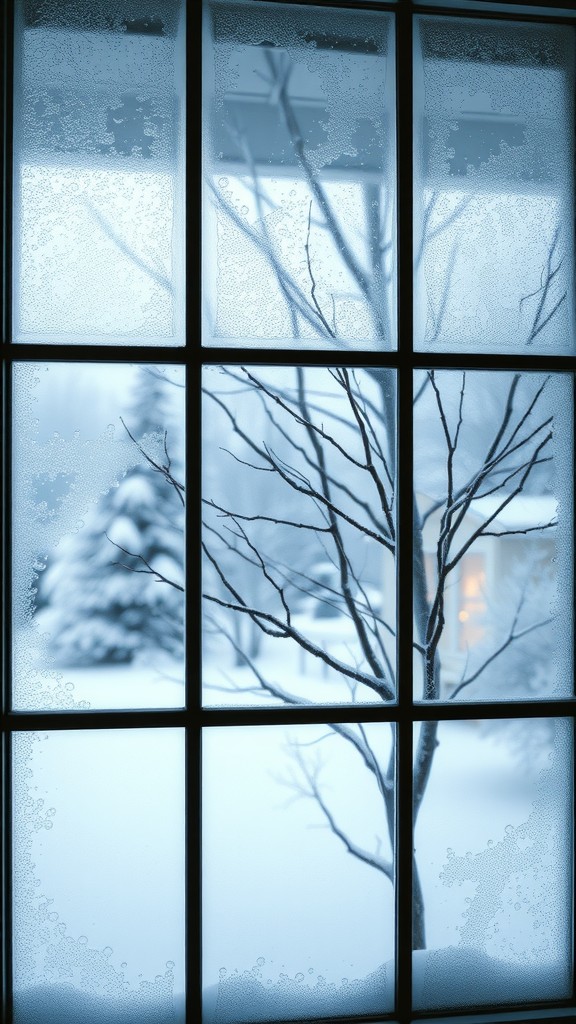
(293, 924)
(150, 685)
(155, 683)
(285, 663)
(99, 872)
(308, 929)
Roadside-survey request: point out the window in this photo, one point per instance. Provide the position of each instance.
(288, 551)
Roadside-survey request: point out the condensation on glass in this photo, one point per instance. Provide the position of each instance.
(298, 924)
(98, 172)
(299, 187)
(98, 886)
(493, 588)
(493, 851)
(299, 513)
(98, 536)
(494, 186)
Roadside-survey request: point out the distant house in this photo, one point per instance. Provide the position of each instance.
(515, 549)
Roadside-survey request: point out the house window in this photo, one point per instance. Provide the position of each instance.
(472, 603)
(304, 752)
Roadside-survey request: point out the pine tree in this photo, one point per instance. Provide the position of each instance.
(106, 595)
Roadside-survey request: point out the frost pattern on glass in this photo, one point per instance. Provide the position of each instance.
(300, 871)
(494, 184)
(98, 190)
(299, 177)
(494, 847)
(299, 535)
(99, 877)
(98, 536)
(493, 584)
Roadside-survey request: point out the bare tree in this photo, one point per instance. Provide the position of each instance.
(346, 494)
(330, 449)
(338, 460)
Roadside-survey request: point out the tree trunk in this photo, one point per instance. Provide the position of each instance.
(418, 919)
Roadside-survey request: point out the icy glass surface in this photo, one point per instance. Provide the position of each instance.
(98, 542)
(98, 172)
(299, 195)
(298, 894)
(494, 186)
(494, 850)
(493, 551)
(99, 877)
(299, 535)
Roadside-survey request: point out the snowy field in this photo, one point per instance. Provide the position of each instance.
(293, 924)
(309, 929)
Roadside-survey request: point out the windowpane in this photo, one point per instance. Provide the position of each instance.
(295, 927)
(99, 876)
(300, 165)
(494, 853)
(98, 182)
(493, 535)
(299, 535)
(494, 173)
(98, 545)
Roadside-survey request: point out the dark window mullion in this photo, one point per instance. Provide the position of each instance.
(6, 109)
(53, 353)
(558, 12)
(193, 561)
(523, 362)
(6, 876)
(404, 485)
(320, 714)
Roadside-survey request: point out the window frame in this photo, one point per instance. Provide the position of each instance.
(194, 718)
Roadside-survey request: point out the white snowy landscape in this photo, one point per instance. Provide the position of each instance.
(293, 925)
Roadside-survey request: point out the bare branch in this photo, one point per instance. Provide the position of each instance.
(148, 570)
(312, 790)
(512, 636)
(110, 231)
(156, 466)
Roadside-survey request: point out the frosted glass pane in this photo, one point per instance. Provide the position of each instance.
(299, 535)
(494, 186)
(98, 172)
(299, 194)
(298, 905)
(493, 575)
(99, 877)
(98, 536)
(494, 849)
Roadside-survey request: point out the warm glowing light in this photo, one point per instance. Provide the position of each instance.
(472, 586)
(463, 616)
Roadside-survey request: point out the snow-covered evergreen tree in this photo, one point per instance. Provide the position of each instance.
(107, 599)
